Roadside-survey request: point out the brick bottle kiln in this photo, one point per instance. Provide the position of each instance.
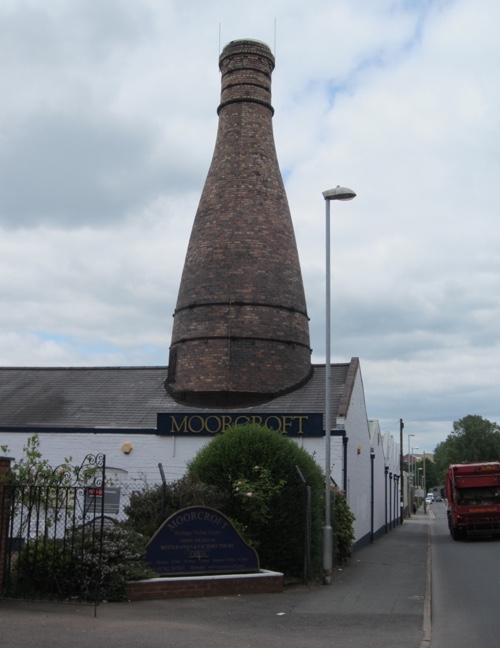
(241, 330)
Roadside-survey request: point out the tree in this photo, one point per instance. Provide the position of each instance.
(473, 439)
(431, 474)
(32, 473)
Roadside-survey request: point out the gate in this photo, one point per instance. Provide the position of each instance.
(54, 530)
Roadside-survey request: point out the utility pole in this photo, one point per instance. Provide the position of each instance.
(425, 490)
(401, 480)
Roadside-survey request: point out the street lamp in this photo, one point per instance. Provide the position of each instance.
(408, 488)
(410, 435)
(339, 193)
(414, 463)
(414, 473)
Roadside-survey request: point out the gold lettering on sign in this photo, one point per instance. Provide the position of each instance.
(181, 427)
(213, 428)
(200, 424)
(213, 423)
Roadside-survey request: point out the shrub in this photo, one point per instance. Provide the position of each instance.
(148, 509)
(43, 566)
(342, 521)
(68, 568)
(257, 469)
(123, 553)
(145, 510)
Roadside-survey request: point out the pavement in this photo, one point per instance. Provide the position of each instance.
(381, 599)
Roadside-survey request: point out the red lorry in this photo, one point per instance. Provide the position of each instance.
(473, 498)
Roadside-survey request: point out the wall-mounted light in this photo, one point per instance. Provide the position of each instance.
(127, 447)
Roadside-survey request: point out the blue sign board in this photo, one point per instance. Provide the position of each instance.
(203, 424)
(199, 540)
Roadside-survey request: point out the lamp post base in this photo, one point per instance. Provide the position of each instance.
(327, 555)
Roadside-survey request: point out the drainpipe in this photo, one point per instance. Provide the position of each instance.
(398, 481)
(372, 503)
(386, 471)
(344, 447)
(392, 500)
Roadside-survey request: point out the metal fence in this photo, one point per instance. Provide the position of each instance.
(56, 525)
(54, 537)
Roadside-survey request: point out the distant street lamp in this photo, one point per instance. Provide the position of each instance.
(414, 469)
(408, 472)
(409, 435)
(414, 463)
(339, 193)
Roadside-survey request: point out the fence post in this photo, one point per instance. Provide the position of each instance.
(4, 515)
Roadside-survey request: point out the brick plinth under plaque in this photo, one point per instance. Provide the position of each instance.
(265, 582)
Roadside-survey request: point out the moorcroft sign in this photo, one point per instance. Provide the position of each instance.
(293, 425)
(199, 540)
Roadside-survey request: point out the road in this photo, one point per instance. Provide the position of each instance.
(465, 588)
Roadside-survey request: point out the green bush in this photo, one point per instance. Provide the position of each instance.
(342, 523)
(148, 509)
(43, 566)
(69, 568)
(257, 469)
(123, 554)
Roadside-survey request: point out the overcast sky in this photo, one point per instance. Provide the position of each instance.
(107, 128)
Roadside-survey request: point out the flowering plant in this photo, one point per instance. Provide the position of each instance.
(254, 497)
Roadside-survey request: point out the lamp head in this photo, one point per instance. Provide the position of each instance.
(339, 193)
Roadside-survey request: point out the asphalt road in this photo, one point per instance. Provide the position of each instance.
(378, 600)
(465, 588)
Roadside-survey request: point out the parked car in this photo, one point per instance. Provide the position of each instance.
(429, 499)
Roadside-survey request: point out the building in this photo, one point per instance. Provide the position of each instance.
(126, 413)
(240, 342)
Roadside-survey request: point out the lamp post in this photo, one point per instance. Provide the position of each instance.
(414, 464)
(339, 193)
(408, 490)
(414, 471)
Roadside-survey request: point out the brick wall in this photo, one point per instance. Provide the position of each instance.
(190, 587)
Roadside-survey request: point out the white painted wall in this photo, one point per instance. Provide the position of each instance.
(358, 460)
(148, 450)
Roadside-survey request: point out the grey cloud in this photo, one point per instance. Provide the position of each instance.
(69, 171)
(384, 327)
(38, 33)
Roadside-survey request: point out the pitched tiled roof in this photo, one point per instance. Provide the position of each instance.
(131, 397)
